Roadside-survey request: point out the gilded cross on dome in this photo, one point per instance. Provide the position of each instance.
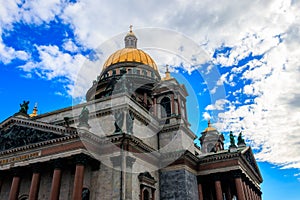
(130, 28)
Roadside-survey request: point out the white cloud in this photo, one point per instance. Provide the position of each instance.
(218, 105)
(206, 116)
(272, 120)
(31, 12)
(7, 54)
(223, 79)
(55, 64)
(69, 45)
(40, 11)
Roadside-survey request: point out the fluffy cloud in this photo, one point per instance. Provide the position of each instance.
(271, 121)
(7, 54)
(206, 116)
(55, 64)
(218, 105)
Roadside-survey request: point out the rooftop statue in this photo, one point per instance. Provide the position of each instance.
(232, 142)
(84, 117)
(129, 122)
(24, 107)
(241, 141)
(119, 119)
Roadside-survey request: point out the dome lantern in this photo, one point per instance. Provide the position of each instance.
(130, 39)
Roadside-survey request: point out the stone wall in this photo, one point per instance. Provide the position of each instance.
(101, 183)
(175, 140)
(5, 187)
(45, 185)
(178, 184)
(103, 125)
(141, 166)
(67, 181)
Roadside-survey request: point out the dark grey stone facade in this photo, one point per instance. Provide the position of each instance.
(179, 185)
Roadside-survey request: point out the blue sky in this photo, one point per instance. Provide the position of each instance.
(238, 59)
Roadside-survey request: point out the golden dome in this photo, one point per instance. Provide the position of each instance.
(130, 55)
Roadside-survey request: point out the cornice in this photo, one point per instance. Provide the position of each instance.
(39, 144)
(60, 130)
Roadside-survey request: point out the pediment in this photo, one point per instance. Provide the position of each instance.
(17, 132)
(249, 157)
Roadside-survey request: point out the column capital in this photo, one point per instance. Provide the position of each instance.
(237, 174)
(16, 171)
(130, 161)
(116, 160)
(199, 179)
(95, 164)
(216, 177)
(58, 163)
(81, 159)
(36, 167)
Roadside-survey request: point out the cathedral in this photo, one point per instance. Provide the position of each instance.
(131, 139)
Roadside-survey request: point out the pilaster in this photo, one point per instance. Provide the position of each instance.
(128, 177)
(116, 177)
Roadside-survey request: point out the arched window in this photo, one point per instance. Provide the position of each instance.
(144, 72)
(147, 186)
(146, 195)
(85, 195)
(165, 107)
(210, 147)
(152, 74)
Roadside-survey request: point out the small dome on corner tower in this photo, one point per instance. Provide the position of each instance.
(209, 128)
(211, 140)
